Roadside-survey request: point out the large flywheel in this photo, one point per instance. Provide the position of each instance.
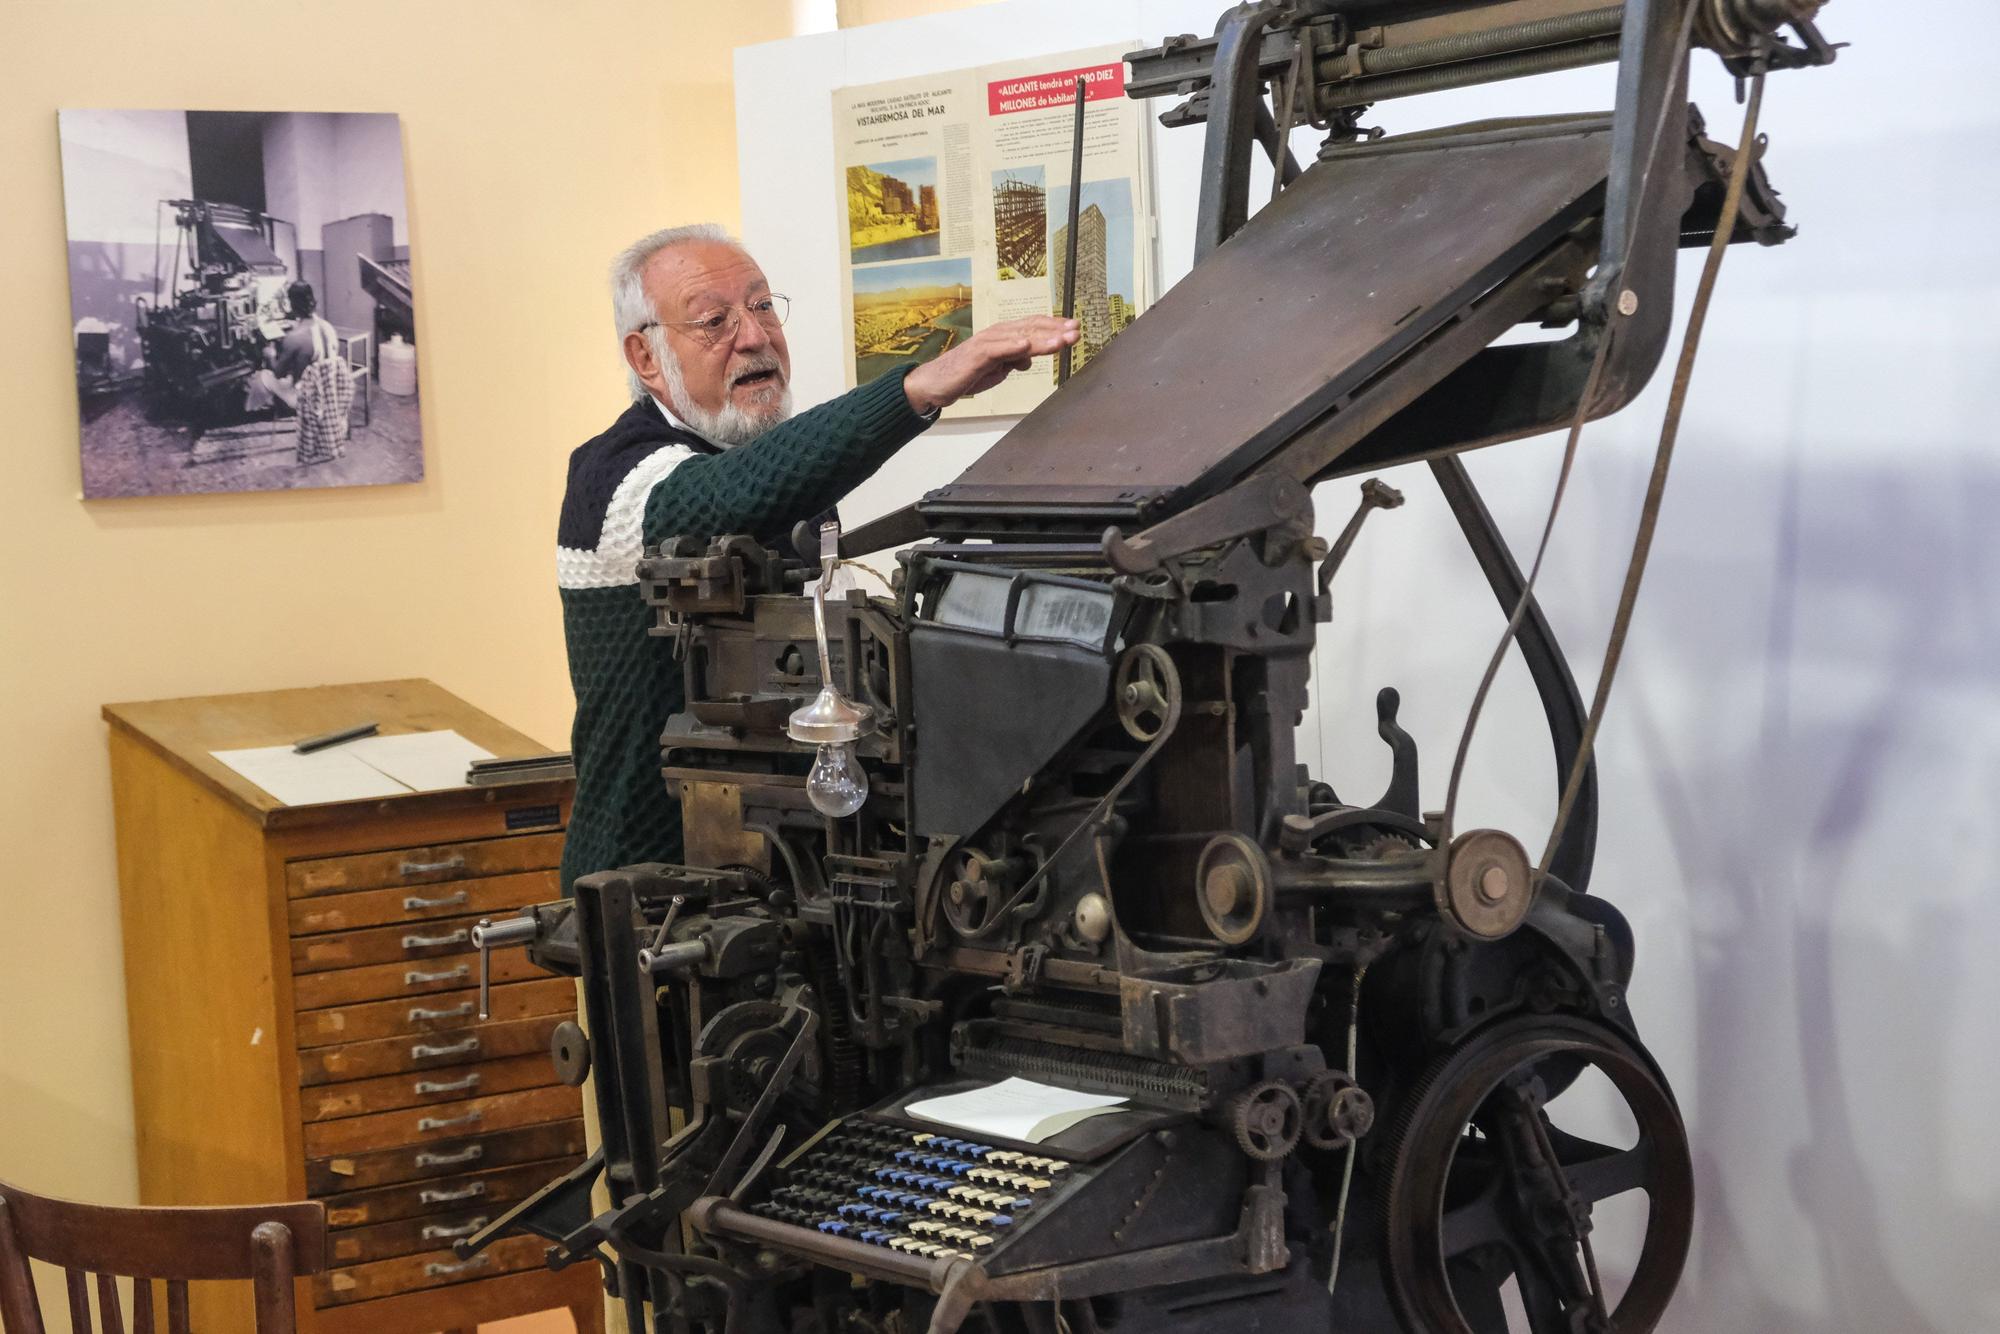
(1485, 1187)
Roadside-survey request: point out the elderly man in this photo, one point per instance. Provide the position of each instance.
(708, 447)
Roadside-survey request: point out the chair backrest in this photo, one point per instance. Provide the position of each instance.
(266, 1244)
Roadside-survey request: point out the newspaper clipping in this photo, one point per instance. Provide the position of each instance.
(956, 212)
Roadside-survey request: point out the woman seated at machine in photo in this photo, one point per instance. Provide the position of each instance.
(305, 371)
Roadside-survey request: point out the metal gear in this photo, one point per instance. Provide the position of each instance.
(1337, 1110)
(1146, 689)
(1482, 1186)
(1267, 1120)
(750, 1035)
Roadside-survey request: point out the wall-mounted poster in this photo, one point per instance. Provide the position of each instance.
(241, 297)
(957, 212)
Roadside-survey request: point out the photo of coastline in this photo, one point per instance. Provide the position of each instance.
(892, 210)
(909, 312)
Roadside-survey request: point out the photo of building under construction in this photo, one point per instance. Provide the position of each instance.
(1021, 222)
(909, 312)
(892, 210)
(1105, 272)
(240, 299)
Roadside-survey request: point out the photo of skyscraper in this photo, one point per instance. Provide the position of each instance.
(1021, 222)
(1105, 290)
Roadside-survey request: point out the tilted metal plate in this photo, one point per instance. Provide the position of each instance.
(1358, 262)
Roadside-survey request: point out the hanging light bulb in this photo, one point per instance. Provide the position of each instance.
(837, 785)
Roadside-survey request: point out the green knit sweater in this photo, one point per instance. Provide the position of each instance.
(639, 483)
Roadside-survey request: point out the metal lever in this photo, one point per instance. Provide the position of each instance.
(662, 956)
(490, 935)
(1375, 494)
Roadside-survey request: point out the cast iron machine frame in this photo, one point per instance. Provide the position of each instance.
(1088, 856)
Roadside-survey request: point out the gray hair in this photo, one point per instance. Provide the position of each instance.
(630, 306)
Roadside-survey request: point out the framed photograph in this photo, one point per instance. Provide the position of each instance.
(240, 292)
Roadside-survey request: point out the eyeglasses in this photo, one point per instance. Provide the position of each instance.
(720, 326)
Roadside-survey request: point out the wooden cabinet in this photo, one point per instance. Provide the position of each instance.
(303, 996)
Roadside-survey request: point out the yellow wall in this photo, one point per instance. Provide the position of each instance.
(854, 13)
(539, 138)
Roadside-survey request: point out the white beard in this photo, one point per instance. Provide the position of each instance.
(733, 425)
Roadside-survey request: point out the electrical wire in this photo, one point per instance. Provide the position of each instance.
(1591, 382)
(1649, 515)
(1353, 1146)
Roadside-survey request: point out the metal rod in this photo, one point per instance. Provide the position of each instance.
(1069, 250)
(1516, 37)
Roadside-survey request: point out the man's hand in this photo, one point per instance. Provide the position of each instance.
(983, 360)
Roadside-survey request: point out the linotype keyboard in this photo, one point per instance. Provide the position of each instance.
(923, 1194)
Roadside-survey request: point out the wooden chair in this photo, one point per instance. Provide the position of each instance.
(268, 1244)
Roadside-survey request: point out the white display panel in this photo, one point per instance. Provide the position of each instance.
(1803, 748)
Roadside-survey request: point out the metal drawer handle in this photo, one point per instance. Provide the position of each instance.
(445, 1271)
(458, 974)
(452, 863)
(437, 1233)
(471, 1153)
(424, 1086)
(469, 1192)
(466, 1048)
(419, 1015)
(459, 937)
(430, 1123)
(415, 904)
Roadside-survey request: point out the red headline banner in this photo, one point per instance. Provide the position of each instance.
(1039, 92)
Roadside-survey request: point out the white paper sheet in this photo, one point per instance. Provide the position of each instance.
(421, 761)
(1018, 1109)
(306, 780)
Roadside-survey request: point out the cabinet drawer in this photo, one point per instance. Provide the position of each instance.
(383, 981)
(365, 1097)
(497, 1190)
(422, 903)
(450, 1120)
(427, 1269)
(384, 944)
(432, 1014)
(423, 866)
(453, 1158)
(426, 1051)
(389, 1240)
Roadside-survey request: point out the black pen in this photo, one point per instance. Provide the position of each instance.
(355, 733)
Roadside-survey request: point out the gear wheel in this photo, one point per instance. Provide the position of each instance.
(1481, 1180)
(1337, 1110)
(1267, 1120)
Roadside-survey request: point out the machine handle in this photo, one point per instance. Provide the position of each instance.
(488, 936)
(414, 903)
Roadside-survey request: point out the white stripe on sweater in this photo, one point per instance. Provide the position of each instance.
(621, 541)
